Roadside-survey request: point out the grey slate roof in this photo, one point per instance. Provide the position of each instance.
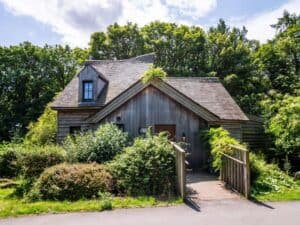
(209, 93)
(121, 74)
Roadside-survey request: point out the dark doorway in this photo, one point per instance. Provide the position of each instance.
(170, 129)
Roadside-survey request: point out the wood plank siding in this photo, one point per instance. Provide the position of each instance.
(151, 107)
(253, 133)
(71, 118)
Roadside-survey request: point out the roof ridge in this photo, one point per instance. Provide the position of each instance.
(215, 79)
(148, 57)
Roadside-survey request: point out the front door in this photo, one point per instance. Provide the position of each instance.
(170, 129)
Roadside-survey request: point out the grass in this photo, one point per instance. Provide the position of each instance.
(10, 206)
(287, 195)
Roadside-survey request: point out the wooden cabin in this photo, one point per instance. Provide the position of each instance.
(112, 91)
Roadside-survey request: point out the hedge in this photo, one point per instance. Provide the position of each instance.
(73, 182)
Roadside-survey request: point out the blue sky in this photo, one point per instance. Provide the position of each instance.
(71, 22)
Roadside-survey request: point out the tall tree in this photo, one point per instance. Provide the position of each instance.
(29, 78)
(180, 50)
(279, 58)
(118, 42)
(230, 58)
(286, 21)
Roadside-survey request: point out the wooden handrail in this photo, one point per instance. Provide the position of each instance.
(238, 148)
(234, 159)
(177, 147)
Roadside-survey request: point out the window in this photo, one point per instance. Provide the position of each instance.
(87, 90)
(75, 130)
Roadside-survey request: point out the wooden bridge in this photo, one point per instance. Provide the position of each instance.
(235, 172)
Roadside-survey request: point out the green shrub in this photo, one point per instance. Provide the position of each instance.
(105, 200)
(9, 166)
(219, 141)
(152, 73)
(268, 177)
(28, 160)
(34, 159)
(73, 182)
(23, 187)
(146, 168)
(43, 131)
(99, 146)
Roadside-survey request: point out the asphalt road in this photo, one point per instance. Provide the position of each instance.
(226, 212)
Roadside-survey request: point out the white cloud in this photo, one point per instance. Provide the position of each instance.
(259, 25)
(76, 19)
(194, 9)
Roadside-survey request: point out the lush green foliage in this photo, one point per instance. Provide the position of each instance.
(268, 177)
(28, 160)
(153, 73)
(99, 146)
(219, 141)
(284, 123)
(146, 168)
(73, 182)
(11, 206)
(44, 130)
(35, 159)
(9, 167)
(29, 78)
(119, 42)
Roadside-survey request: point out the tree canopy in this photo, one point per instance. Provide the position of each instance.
(30, 76)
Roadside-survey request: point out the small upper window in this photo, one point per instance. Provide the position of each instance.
(87, 90)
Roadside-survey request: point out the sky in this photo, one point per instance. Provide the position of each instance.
(72, 21)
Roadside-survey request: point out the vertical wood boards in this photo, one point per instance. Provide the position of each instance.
(151, 107)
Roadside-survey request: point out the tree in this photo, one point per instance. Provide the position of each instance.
(180, 50)
(230, 57)
(120, 42)
(286, 21)
(98, 46)
(29, 78)
(279, 58)
(284, 123)
(44, 130)
(80, 55)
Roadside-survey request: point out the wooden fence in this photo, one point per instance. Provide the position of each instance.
(180, 169)
(235, 170)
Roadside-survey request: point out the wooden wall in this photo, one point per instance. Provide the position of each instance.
(68, 118)
(253, 133)
(152, 107)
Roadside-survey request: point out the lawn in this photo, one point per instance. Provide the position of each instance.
(287, 195)
(10, 206)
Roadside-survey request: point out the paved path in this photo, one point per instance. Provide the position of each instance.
(203, 186)
(225, 212)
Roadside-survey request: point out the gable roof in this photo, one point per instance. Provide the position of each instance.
(209, 93)
(164, 88)
(122, 75)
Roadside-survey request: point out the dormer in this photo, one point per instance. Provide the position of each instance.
(91, 84)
